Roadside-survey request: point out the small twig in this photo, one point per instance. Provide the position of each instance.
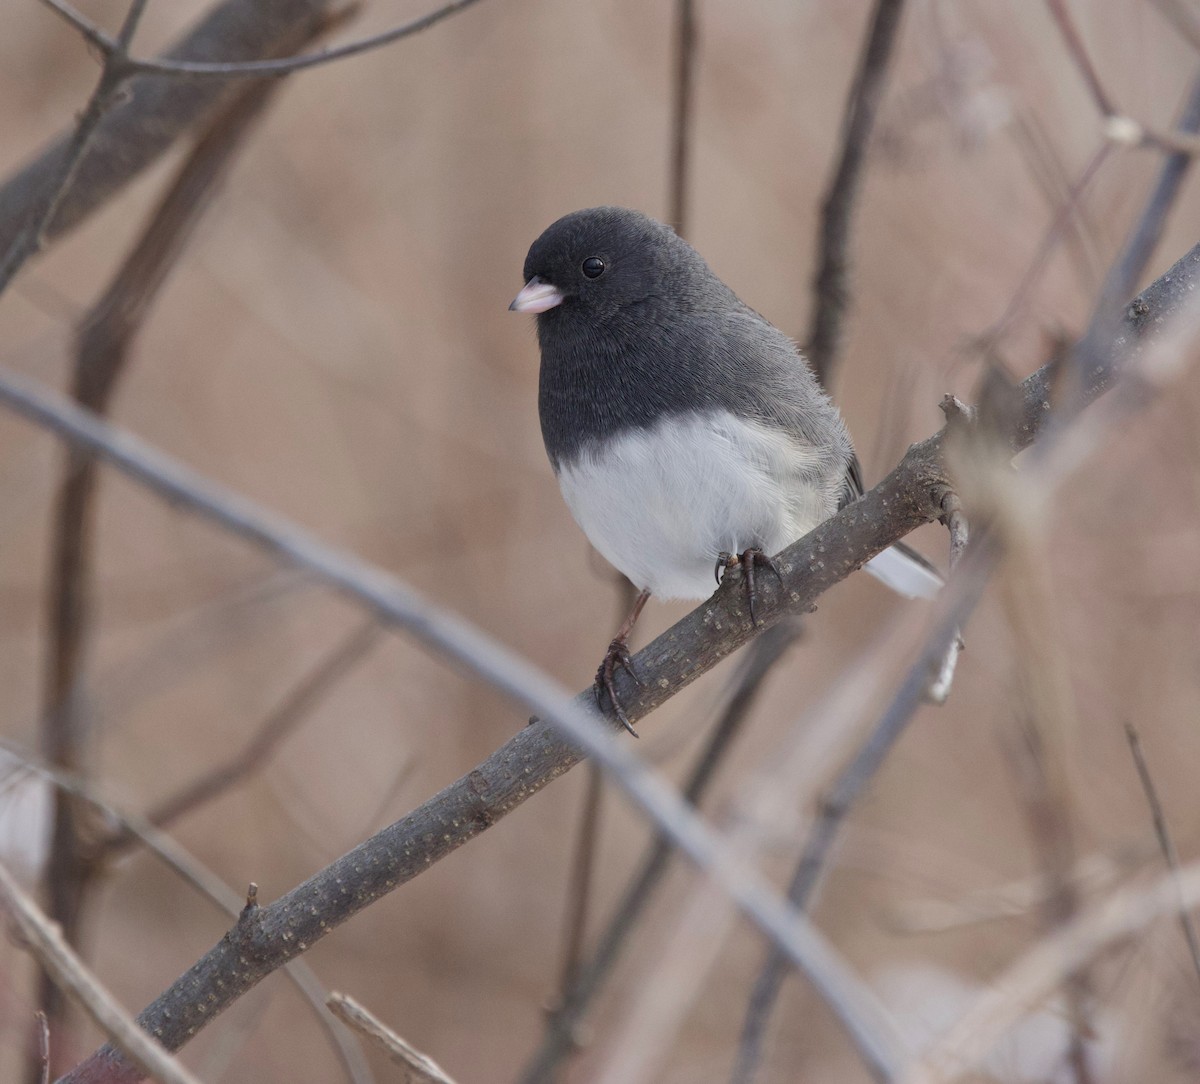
(831, 293)
(1165, 840)
(42, 938)
(579, 889)
(194, 69)
(1074, 43)
(1067, 210)
(420, 1068)
(683, 96)
(562, 1025)
(43, 1029)
(955, 522)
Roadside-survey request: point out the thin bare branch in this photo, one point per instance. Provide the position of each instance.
(31, 236)
(42, 938)
(136, 130)
(1068, 209)
(1079, 54)
(194, 69)
(1165, 840)
(682, 99)
(562, 1025)
(43, 1028)
(419, 1068)
(831, 293)
(1092, 359)
(579, 888)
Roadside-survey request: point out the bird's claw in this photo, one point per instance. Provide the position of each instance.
(748, 561)
(617, 655)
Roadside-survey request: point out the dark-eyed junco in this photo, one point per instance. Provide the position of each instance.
(685, 430)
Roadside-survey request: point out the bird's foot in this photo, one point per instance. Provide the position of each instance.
(617, 655)
(748, 561)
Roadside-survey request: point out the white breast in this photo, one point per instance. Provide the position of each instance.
(660, 504)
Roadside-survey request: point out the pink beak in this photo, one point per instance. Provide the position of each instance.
(536, 296)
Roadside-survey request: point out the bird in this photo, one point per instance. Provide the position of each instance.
(687, 433)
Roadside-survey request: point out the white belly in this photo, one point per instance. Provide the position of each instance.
(660, 504)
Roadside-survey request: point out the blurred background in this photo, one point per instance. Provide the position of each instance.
(334, 343)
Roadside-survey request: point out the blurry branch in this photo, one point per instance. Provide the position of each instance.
(1074, 43)
(42, 938)
(78, 172)
(906, 498)
(1183, 18)
(579, 887)
(1165, 842)
(419, 1069)
(278, 725)
(47, 201)
(683, 97)
(1067, 211)
(43, 1053)
(831, 294)
(563, 1024)
(1092, 359)
(1119, 127)
(962, 595)
(200, 69)
(1041, 971)
(207, 884)
(105, 338)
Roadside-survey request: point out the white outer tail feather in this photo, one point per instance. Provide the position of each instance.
(904, 575)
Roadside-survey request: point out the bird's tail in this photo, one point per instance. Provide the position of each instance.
(905, 571)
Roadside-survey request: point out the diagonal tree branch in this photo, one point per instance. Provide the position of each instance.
(155, 112)
(908, 497)
(221, 70)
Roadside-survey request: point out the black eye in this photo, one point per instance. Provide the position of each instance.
(593, 267)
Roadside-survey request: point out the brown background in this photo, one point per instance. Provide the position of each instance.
(335, 344)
